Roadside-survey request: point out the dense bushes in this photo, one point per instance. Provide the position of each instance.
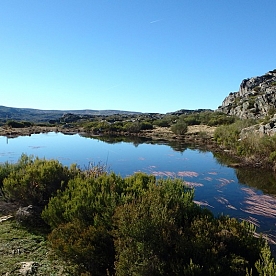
(228, 135)
(178, 123)
(179, 128)
(117, 127)
(17, 124)
(138, 225)
(252, 145)
(197, 118)
(33, 180)
(146, 227)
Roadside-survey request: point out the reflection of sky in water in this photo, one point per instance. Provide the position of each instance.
(216, 186)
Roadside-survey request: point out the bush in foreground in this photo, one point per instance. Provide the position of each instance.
(33, 180)
(138, 225)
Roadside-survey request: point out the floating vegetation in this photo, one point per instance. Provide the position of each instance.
(203, 203)
(175, 174)
(187, 174)
(193, 184)
(224, 181)
(225, 202)
(262, 205)
(36, 147)
(164, 173)
(253, 221)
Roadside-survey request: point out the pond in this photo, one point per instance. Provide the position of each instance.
(241, 193)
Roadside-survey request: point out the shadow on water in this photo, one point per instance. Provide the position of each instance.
(257, 178)
(260, 179)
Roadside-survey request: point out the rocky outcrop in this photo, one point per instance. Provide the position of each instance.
(255, 99)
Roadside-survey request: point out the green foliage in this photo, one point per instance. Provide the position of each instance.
(90, 246)
(146, 227)
(16, 124)
(35, 180)
(263, 148)
(132, 127)
(207, 118)
(5, 169)
(146, 125)
(104, 224)
(84, 213)
(166, 121)
(179, 128)
(148, 233)
(272, 156)
(92, 200)
(266, 265)
(117, 126)
(229, 135)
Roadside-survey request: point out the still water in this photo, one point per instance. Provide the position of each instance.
(241, 193)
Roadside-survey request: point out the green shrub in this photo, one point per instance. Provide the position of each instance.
(5, 170)
(166, 121)
(266, 264)
(272, 156)
(90, 246)
(146, 125)
(35, 180)
(132, 127)
(229, 135)
(179, 128)
(15, 124)
(146, 227)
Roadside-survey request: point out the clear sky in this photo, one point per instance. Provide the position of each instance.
(144, 55)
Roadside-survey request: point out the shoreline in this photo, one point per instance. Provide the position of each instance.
(201, 136)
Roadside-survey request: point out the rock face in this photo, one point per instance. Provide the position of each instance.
(255, 99)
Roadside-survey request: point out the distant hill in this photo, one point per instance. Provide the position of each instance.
(38, 115)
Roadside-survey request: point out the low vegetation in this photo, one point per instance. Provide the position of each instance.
(103, 224)
(131, 124)
(252, 146)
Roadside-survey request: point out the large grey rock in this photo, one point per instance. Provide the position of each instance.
(256, 98)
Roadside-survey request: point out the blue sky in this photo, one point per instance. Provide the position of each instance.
(148, 56)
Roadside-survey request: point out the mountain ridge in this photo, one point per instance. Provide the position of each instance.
(40, 115)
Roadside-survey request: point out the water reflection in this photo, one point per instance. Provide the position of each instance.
(261, 179)
(136, 141)
(257, 178)
(242, 193)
